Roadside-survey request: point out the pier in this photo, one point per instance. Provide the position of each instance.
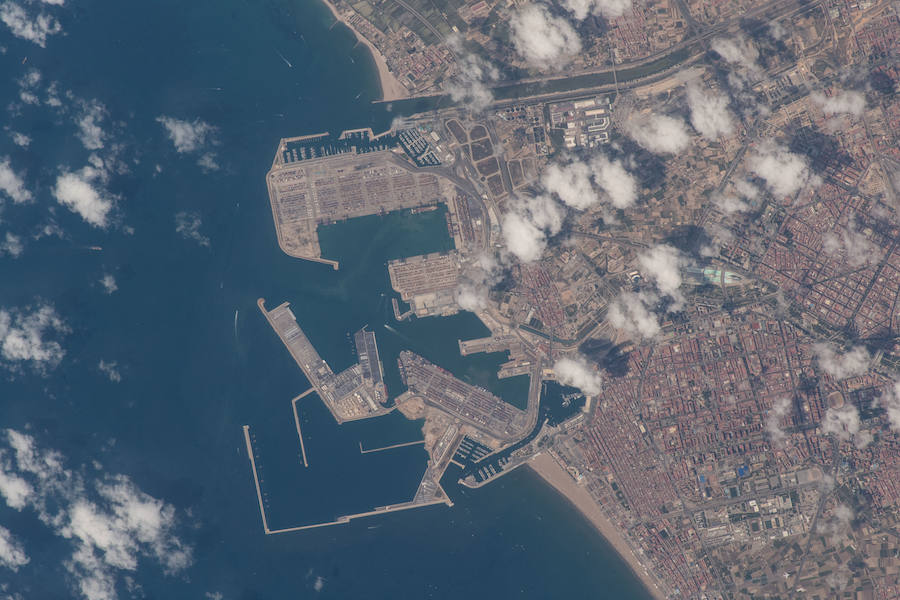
(428, 493)
(427, 282)
(349, 395)
(262, 509)
(470, 404)
(308, 191)
(382, 449)
(397, 314)
(297, 422)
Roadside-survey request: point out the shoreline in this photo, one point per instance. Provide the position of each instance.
(391, 88)
(552, 473)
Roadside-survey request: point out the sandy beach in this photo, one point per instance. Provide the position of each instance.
(391, 88)
(547, 467)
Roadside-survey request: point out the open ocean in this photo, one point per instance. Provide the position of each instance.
(188, 359)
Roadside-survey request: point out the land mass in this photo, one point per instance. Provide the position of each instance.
(710, 255)
(562, 481)
(391, 88)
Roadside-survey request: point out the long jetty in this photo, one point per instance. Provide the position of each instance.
(382, 449)
(338, 521)
(297, 422)
(262, 508)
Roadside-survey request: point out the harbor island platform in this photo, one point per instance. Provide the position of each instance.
(307, 192)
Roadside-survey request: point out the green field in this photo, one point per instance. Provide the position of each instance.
(389, 15)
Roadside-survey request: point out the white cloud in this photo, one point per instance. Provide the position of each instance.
(741, 54)
(79, 192)
(842, 102)
(629, 313)
(468, 86)
(109, 283)
(746, 189)
(475, 282)
(709, 112)
(659, 134)
(471, 297)
(575, 183)
(12, 245)
(188, 136)
(609, 9)
(111, 524)
(12, 553)
(188, 225)
(719, 236)
(730, 204)
(28, 84)
(844, 423)
(777, 30)
(11, 183)
(20, 139)
(32, 28)
(578, 373)
(24, 337)
(90, 131)
(15, 490)
(49, 230)
(784, 172)
(522, 238)
(773, 420)
(836, 527)
(662, 264)
(527, 225)
(850, 242)
(619, 186)
(111, 370)
(890, 400)
(571, 183)
(542, 39)
(841, 366)
(207, 162)
(53, 96)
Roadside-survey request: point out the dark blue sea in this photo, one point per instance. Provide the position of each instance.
(135, 240)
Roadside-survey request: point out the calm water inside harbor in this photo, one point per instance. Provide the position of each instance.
(196, 358)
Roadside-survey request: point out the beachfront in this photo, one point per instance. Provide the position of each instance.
(391, 88)
(553, 473)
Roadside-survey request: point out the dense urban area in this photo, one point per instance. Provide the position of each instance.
(687, 210)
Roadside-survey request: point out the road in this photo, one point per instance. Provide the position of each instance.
(424, 21)
(835, 457)
(769, 11)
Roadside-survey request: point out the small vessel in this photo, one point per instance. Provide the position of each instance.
(286, 61)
